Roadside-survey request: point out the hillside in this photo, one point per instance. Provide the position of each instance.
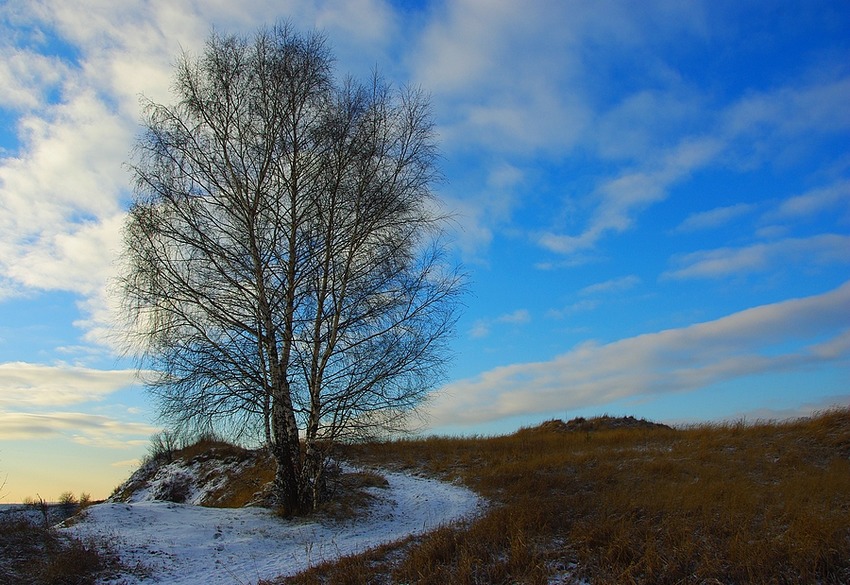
(621, 501)
(601, 500)
(209, 472)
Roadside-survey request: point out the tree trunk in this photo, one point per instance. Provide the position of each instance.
(287, 454)
(267, 421)
(313, 477)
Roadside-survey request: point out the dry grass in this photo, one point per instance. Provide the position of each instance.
(730, 503)
(246, 484)
(348, 498)
(32, 554)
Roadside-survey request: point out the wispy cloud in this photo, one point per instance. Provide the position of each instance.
(714, 218)
(478, 214)
(517, 317)
(614, 285)
(748, 132)
(572, 309)
(82, 428)
(832, 198)
(506, 88)
(482, 327)
(27, 385)
(722, 262)
(619, 200)
(764, 339)
(802, 110)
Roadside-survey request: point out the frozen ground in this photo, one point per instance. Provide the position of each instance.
(183, 544)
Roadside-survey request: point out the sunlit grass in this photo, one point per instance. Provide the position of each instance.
(730, 503)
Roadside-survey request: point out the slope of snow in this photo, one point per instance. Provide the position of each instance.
(186, 544)
(201, 477)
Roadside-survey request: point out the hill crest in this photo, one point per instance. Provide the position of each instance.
(597, 423)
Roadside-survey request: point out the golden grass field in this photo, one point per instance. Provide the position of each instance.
(716, 503)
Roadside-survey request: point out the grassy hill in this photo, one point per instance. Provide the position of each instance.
(600, 500)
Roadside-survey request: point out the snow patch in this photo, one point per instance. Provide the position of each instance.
(200, 479)
(188, 544)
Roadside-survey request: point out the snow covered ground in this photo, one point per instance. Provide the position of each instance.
(183, 544)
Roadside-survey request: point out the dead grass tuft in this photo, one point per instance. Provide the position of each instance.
(32, 554)
(210, 447)
(350, 494)
(246, 484)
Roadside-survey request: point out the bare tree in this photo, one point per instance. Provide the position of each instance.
(282, 266)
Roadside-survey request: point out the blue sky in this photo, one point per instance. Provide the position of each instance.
(652, 201)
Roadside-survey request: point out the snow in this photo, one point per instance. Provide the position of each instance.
(183, 544)
(201, 477)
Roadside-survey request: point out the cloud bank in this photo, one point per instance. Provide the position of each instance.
(765, 339)
(35, 396)
(37, 385)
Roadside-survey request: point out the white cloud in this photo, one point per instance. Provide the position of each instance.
(614, 285)
(27, 385)
(722, 262)
(618, 200)
(714, 218)
(64, 188)
(764, 339)
(26, 77)
(80, 261)
(82, 428)
(497, 75)
(60, 211)
(835, 197)
(482, 327)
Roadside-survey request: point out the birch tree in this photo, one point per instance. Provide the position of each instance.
(282, 262)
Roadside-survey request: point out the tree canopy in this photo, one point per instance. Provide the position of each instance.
(283, 270)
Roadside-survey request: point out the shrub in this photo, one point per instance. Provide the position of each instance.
(41, 506)
(67, 499)
(31, 554)
(163, 445)
(175, 489)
